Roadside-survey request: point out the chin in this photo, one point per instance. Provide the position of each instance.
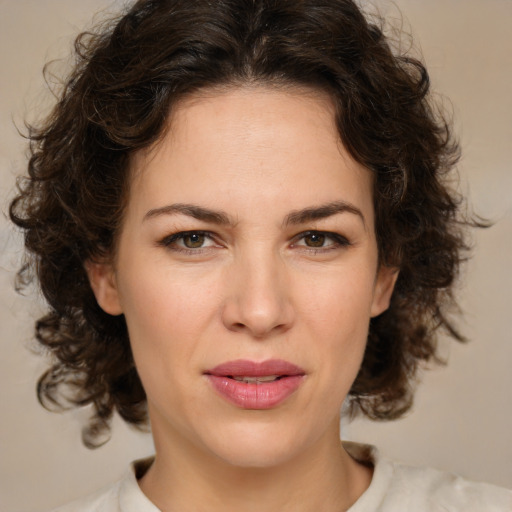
(260, 446)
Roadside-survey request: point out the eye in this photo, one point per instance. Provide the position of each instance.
(189, 241)
(193, 240)
(314, 239)
(320, 240)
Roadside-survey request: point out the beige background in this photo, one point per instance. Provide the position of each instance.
(462, 419)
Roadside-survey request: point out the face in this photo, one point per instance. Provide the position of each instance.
(247, 271)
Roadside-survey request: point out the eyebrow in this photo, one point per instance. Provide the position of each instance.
(222, 218)
(322, 212)
(192, 210)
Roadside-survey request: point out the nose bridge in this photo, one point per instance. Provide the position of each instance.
(258, 299)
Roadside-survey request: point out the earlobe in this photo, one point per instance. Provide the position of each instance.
(384, 286)
(103, 283)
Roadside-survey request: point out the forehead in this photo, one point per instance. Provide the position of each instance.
(254, 147)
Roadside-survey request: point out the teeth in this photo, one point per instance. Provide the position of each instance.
(257, 380)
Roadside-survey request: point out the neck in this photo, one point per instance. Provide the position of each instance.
(323, 477)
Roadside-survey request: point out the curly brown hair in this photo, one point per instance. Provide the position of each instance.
(130, 73)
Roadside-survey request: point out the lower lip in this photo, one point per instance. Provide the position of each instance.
(264, 395)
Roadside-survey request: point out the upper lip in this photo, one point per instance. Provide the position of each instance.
(246, 368)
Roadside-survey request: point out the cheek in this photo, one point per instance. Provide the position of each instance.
(155, 295)
(166, 314)
(337, 313)
(338, 300)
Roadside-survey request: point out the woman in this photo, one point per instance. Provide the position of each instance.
(239, 216)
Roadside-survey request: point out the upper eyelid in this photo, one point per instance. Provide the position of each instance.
(330, 234)
(179, 235)
(212, 234)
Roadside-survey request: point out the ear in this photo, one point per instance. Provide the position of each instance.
(384, 286)
(103, 283)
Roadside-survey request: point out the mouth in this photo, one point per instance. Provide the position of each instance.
(256, 385)
(256, 380)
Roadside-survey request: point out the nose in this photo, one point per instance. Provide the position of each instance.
(259, 297)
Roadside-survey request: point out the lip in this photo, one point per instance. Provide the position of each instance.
(262, 395)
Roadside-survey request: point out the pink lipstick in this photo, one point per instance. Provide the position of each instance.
(253, 385)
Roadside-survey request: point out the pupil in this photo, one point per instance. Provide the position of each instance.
(194, 240)
(315, 240)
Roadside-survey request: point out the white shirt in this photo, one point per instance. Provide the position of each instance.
(394, 488)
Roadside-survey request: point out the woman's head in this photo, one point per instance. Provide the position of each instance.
(247, 272)
(121, 99)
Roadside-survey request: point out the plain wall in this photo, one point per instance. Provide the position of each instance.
(462, 417)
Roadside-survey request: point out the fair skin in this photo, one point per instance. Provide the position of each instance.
(274, 256)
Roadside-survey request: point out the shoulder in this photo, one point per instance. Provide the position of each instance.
(434, 490)
(397, 487)
(122, 496)
(105, 500)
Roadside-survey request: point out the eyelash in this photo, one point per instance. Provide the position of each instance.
(338, 241)
(170, 241)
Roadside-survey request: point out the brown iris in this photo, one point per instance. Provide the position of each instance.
(314, 240)
(193, 240)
